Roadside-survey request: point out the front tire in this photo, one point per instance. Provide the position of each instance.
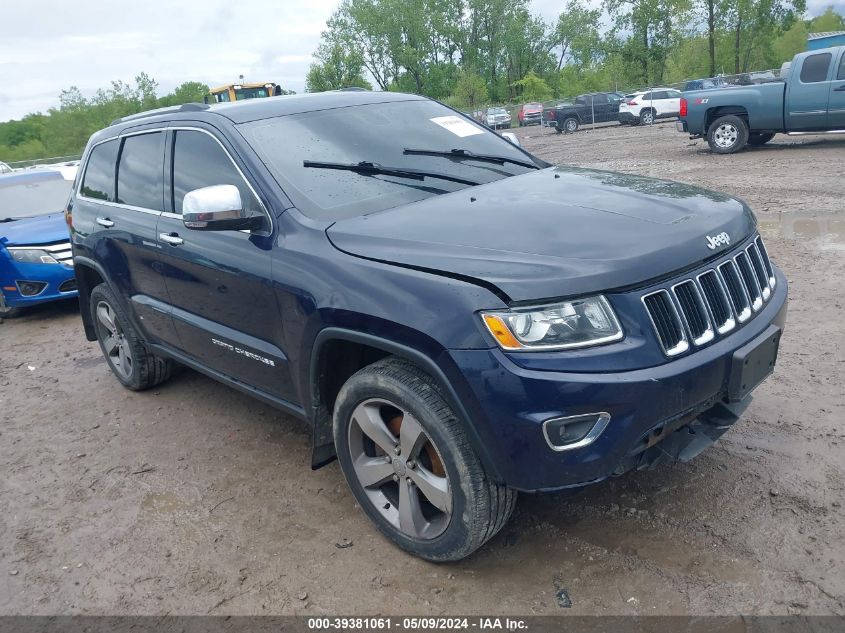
(410, 465)
(727, 134)
(128, 358)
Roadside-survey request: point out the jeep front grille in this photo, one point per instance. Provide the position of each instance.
(697, 310)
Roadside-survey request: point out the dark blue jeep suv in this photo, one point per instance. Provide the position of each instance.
(456, 319)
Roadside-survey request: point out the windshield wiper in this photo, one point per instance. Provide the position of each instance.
(465, 153)
(372, 169)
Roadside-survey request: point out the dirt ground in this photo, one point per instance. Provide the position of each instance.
(194, 499)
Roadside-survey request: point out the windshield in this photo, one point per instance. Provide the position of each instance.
(251, 93)
(27, 198)
(497, 111)
(375, 133)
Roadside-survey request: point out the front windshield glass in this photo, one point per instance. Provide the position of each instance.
(376, 133)
(27, 198)
(497, 111)
(251, 93)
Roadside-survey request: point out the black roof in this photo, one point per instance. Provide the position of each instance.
(255, 109)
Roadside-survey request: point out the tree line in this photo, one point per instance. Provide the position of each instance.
(63, 131)
(472, 52)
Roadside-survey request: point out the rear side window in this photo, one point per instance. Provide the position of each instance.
(815, 68)
(841, 74)
(199, 161)
(98, 181)
(140, 182)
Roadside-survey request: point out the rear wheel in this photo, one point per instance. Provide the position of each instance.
(759, 139)
(570, 125)
(727, 134)
(410, 465)
(130, 361)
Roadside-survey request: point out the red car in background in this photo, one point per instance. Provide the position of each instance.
(530, 114)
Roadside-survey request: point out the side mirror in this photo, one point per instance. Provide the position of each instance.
(512, 138)
(217, 208)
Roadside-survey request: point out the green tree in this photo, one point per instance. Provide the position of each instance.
(335, 68)
(533, 88)
(470, 90)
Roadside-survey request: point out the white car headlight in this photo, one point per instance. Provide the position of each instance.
(32, 256)
(566, 325)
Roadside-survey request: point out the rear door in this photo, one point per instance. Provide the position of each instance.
(116, 209)
(224, 307)
(836, 101)
(671, 104)
(602, 108)
(809, 93)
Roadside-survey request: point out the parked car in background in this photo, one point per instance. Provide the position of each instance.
(496, 118)
(530, 114)
(647, 106)
(35, 254)
(706, 84)
(596, 107)
(811, 100)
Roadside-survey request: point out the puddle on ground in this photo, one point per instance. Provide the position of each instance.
(827, 232)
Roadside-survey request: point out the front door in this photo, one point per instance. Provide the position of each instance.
(836, 102)
(224, 307)
(809, 94)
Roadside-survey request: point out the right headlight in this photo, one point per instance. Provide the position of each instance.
(565, 325)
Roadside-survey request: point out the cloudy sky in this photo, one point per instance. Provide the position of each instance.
(46, 46)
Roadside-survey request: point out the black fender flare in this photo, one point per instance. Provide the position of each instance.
(80, 261)
(323, 450)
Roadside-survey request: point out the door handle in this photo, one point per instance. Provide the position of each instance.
(106, 222)
(840, 88)
(171, 238)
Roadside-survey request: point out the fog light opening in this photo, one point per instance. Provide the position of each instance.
(574, 431)
(31, 288)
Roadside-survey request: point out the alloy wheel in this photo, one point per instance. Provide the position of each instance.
(726, 135)
(400, 469)
(571, 125)
(117, 348)
(648, 118)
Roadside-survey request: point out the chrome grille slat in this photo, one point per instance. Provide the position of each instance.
(749, 280)
(693, 311)
(714, 302)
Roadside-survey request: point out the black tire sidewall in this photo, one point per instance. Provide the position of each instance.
(103, 293)
(452, 543)
(566, 127)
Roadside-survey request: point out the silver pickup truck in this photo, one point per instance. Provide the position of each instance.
(809, 99)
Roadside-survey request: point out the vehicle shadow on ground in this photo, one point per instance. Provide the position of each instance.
(45, 312)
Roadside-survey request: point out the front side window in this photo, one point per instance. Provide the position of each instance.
(139, 172)
(815, 68)
(841, 74)
(376, 133)
(199, 161)
(98, 181)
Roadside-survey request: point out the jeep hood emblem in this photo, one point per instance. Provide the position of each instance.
(722, 239)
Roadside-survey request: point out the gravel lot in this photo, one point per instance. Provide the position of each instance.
(192, 498)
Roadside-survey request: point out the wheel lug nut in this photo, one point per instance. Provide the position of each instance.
(388, 458)
(410, 463)
(397, 450)
(395, 477)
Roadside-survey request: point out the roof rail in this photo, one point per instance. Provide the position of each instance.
(185, 107)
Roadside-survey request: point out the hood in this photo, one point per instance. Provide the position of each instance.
(556, 232)
(42, 229)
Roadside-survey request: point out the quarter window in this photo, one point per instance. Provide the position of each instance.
(99, 173)
(140, 182)
(815, 68)
(199, 161)
(841, 74)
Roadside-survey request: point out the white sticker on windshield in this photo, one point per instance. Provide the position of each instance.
(457, 126)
